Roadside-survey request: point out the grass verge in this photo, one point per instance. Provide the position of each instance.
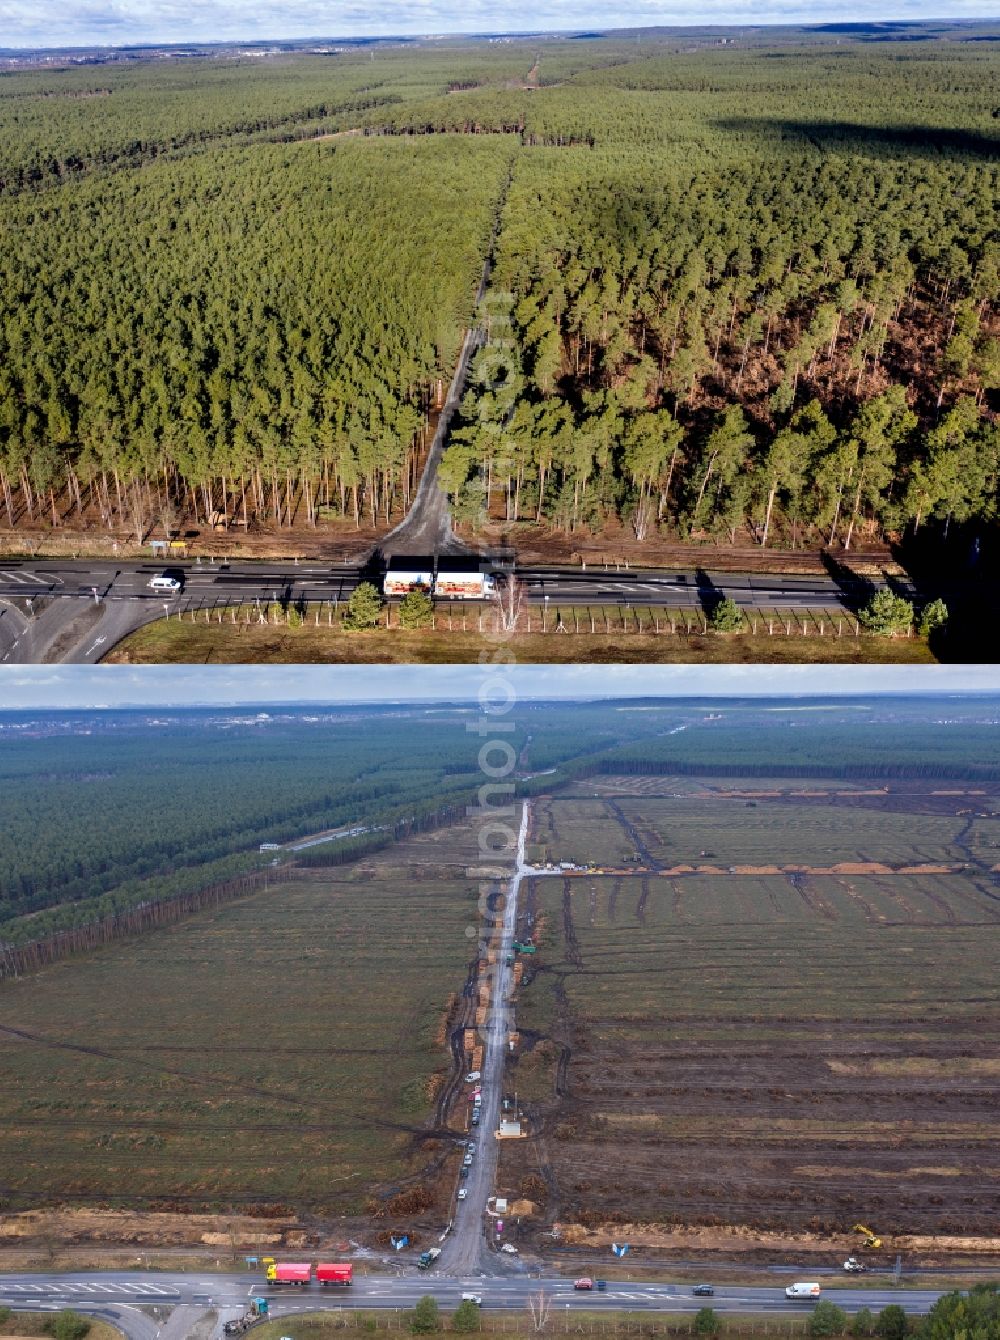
(202, 641)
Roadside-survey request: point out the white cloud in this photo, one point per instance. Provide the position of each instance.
(69, 22)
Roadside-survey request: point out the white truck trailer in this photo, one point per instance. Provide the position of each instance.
(405, 575)
(446, 578)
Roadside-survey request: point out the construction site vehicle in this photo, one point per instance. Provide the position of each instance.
(238, 1326)
(872, 1241)
(294, 1275)
(335, 1274)
(428, 1258)
(803, 1291)
(853, 1266)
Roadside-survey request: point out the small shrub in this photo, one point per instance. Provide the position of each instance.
(886, 614)
(864, 1322)
(933, 618)
(727, 617)
(363, 607)
(891, 1323)
(67, 1325)
(416, 610)
(466, 1317)
(425, 1318)
(707, 1322)
(827, 1319)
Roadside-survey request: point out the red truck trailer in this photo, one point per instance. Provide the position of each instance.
(335, 1274)
(283, 1273)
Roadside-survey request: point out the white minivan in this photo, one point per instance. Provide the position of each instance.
(165, 582)
(806, 1291)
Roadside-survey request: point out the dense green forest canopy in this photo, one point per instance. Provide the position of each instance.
(752, 285)
(261, 314)
(135, 808)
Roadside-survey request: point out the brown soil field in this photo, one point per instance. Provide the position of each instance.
(756, 1061)
(233, 1082)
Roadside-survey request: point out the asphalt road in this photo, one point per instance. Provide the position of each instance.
(77, 610)
(426, 528)
(465, 1250)
(126, 1290)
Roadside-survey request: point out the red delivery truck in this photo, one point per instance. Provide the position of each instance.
(289, 1274)
(335, 1274)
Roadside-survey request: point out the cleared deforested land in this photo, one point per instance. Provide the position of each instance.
(797, 1031)
(280, 1052)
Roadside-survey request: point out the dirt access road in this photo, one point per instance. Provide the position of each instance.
(426, 528)
(465, 1250)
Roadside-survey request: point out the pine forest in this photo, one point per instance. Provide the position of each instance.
(745, 288)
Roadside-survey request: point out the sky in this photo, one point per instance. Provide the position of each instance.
(30, 23)
(173, 686)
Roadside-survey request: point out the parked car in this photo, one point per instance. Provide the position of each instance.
(467, 1160)
(471, 1146)
(585, 1283)
(475, 1117)
(509, 1248)
(703, 1290)
(463, 1171)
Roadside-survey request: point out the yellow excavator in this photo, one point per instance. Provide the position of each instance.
(872, 1241)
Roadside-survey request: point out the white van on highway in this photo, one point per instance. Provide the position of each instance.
(807, 1291)
(166, 582)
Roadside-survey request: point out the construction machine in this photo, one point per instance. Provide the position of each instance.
(872, 1241)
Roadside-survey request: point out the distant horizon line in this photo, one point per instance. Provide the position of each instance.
(487, 33)
(311, 704)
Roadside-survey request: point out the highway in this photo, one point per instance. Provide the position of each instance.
(77, 610)
(125, 1291)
